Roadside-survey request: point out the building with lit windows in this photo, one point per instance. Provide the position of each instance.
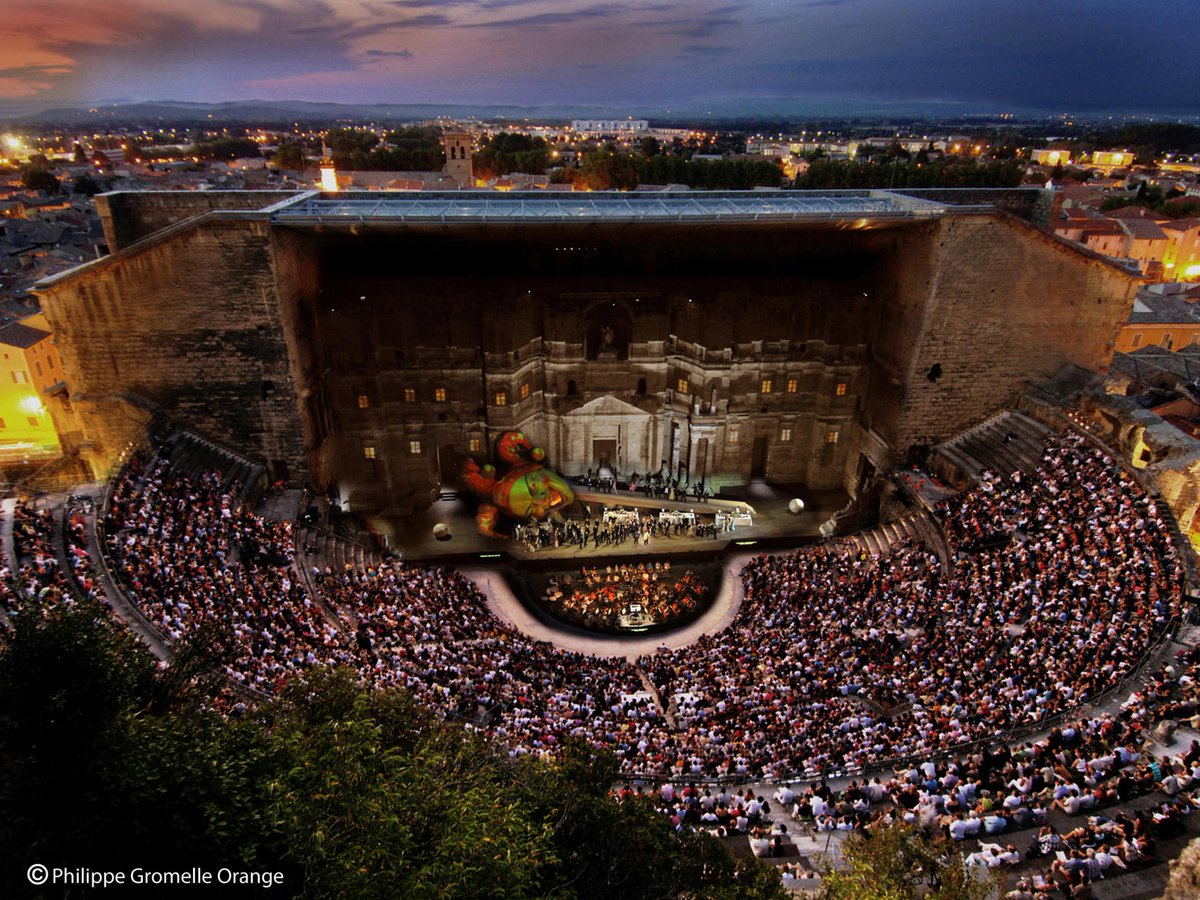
(31, 371)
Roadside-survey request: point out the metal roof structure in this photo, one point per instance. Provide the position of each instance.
(692, 206)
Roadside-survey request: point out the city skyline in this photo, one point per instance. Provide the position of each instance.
(1072, 57)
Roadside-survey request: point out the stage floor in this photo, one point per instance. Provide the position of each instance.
(774, 527)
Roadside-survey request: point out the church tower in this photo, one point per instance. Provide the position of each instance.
(458, 157)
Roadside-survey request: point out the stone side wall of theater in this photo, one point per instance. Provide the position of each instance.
(995, 304)
(131, 216)
(189, 326)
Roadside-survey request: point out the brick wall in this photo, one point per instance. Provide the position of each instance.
(190, 326)
(128, 217)
(996, 304)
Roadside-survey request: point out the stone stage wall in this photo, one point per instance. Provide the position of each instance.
(376, 358)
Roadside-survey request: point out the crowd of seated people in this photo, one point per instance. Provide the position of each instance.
(721, 811)
(598, 598)
(189, 558)
(1059, 582)
(835, 659)
(428, 629)
(994, 803)
(40, 586)
(840, 659)
(78, 554)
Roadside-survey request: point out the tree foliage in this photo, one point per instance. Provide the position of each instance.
(109, 761)
(1184, 882)
(407, 149)
(606, 170)
(505, 153)
(1153, 197)
(225, 148)
(1150, 140)
(898, 863)
(87, 185)
(289, 155)
(824, 174)
(36, 176)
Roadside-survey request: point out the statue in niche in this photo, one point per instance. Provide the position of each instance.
(607, 332)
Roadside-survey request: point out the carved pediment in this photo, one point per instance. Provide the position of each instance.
(608, 406)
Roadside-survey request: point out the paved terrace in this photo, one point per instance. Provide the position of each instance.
(690, 206)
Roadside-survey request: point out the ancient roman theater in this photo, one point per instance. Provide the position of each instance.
(744, 487)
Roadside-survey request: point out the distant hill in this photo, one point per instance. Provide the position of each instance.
(274, 112)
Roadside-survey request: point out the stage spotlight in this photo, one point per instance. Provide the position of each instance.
(441, 532)
(795, 506)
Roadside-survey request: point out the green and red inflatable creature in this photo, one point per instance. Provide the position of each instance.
(528, 490)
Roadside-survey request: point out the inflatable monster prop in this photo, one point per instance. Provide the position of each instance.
(528, 490)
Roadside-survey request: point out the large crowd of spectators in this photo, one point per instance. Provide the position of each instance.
(189, 558)
(429, 630)
(999, 804)
(837, 659)
(1059, 584)
(39, 586)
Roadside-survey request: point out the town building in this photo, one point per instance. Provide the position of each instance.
(614, 127)
(30, 370)
(1164, 318)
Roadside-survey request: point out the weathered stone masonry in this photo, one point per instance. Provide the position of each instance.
(798, 351)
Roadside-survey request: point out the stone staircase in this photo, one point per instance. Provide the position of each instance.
(1005, 443)
(337, 553)
(193, 455)
(912, 527)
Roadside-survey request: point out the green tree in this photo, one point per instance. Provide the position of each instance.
(505, 153)
(225, 148)
(109, 760)
(36, 176)
(898, 863)
(289, 155)
(87, 185)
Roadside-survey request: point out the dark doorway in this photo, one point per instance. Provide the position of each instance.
(868, 473)
(604, 453)
(450, 460)
(758, 463)
(279, 472)
(700, 463)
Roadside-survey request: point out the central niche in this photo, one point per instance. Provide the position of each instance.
(608, 328)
